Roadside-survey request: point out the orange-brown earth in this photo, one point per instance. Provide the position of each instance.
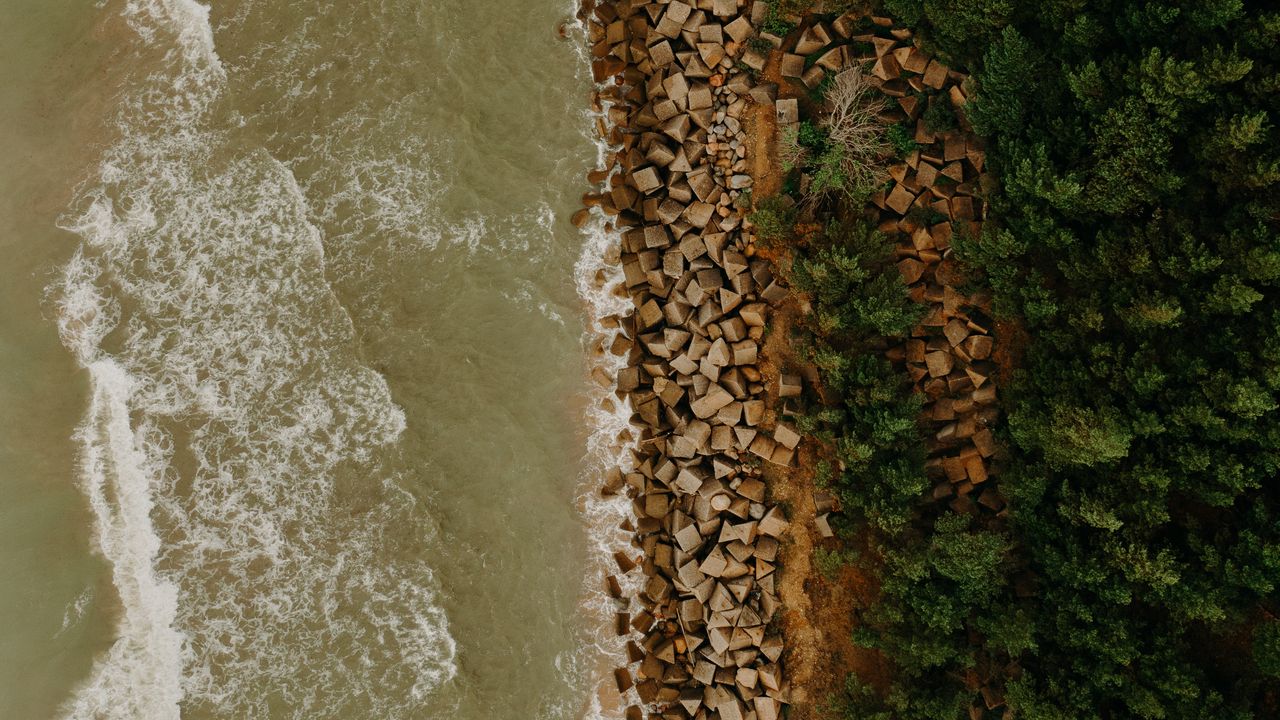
(819, 609)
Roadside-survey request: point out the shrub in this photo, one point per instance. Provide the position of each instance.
(791, 154)
(842, 153)
(939, 116)
(774, 218)
(857, 297)
(1266, 647)
(775, 19)
(853, 287)
(902, 138)
(828, 175)
(830, 562)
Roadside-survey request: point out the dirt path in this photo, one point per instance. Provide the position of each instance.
(819, 610)
(819, 617)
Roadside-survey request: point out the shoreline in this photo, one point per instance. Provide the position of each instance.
(810, 609)
(673, 191)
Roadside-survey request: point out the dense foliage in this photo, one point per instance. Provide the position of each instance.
(1134, 238)
(869, 416)
(938, 570)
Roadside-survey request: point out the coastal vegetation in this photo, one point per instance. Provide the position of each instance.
(1136, 243)
(1034, 254)
(1131, 255)
(870, 421)
(840, 154)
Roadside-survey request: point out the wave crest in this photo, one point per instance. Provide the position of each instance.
(239, 457)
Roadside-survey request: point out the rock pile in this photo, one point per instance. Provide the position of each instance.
(935, 195)
(706, 537)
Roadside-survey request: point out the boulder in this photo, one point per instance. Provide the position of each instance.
(719, 354)
(744, 353)
(740, 29)
(935, 75)
(834, 60)
(647, 180)
(700, 97)
(911, 270)
(824, 527)
(707, 405)
(900, 199)
(622, 678)
(724, 8)
(813, 77)
(786, 436)
(650, 314)
(978, 347)
(673, 19)
(792, 65)
(773, 524)
(774, 294)
(767, 708)
(762, 447)
(698, 214)
(661, 55)
(711, 53)
(688, 539)
(789, 385)
(939, 363)
(788, 112)
(886, 68)
(764, 93)
(677, 128)
(753, 315)
(812, 40)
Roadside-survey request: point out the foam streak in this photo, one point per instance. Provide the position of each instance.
(250, 583)
(140, 677)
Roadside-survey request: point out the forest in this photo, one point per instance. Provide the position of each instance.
(1132, 250)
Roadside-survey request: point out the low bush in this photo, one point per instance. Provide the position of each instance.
(774, 219)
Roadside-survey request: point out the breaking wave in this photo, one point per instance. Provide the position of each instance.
(598, 277)
(237, 455)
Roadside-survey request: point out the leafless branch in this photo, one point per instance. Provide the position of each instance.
(854, 125)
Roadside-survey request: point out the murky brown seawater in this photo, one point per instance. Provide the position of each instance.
(292, 372)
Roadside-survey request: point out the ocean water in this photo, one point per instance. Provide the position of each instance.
(297, 408)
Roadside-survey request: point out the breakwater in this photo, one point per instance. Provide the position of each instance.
(695, 589)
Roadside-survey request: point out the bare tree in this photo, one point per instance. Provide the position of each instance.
(854, 126)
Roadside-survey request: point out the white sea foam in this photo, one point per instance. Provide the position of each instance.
(598, 274)
(75, 611)
(608, 447)
(185, 21)
(140, 676)
(231, 424)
